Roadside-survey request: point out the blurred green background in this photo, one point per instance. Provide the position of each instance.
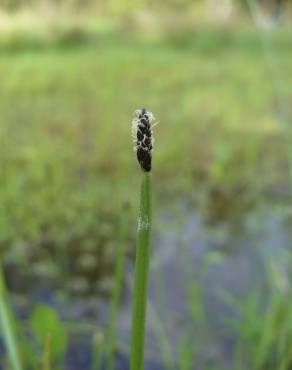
(217, 76)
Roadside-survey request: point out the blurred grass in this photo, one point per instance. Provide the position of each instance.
(66, 104)
(67, 165)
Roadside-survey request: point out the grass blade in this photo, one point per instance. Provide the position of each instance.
(6, 321)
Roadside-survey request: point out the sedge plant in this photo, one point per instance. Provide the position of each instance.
(47, 353)
(117, 291)
(7, 325)
(143, 139)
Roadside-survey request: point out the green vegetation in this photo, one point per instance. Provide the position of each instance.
(116, 297)
(140, 292)
(8, 326)
(64, 111)
(67, 165)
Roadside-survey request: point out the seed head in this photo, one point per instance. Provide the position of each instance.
(143, 137)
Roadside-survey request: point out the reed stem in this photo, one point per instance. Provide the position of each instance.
(117, 291)
(141, 275)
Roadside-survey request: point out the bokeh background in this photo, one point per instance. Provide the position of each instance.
(217, 76)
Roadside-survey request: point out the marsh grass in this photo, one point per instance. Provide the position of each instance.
(98, 347)
(47, 353)
(117, 290)
(8, 325)
(141, 275)
(42, 79)
(161, 316)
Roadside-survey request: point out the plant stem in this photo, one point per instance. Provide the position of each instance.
(47, 353)
(7, 325)
(98, 348)
(117, 290)
(141, 276)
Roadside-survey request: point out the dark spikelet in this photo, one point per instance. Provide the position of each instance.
(143, 138)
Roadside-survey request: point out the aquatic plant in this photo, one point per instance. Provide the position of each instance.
(143, 139)
(117, 289)
(7, 325)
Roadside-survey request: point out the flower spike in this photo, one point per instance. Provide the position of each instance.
(143, 137)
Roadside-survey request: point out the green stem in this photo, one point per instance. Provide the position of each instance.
(141, 276)
(98, 348)
(47, 353)
(117, 291)
(6, 322)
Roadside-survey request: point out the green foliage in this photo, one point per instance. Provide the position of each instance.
(263, 331)
(56, 165)
(45, 323)
(98, 348)
(63, 170)
(119, 273)
(186, 352)
(7, 326)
